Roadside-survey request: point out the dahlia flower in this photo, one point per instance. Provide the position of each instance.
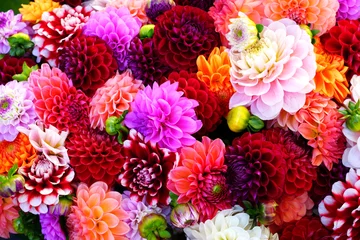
(348, 9)
(50, 227)
(274, 73)
(32, 12)
(355, 87)
(97, 5)
(95, 155)
(163, 116)
(8, 213)
(202, 4)
(9, 66)
(20, 152)
(339, 211)
(97, 214)
(182, 34)
(44, 183)
(113, 98)
(9, 25)
(200, 177)
(69, 110)
(136, 8)
(16, 109)
(155, 8)
(71, 3)
(319, 14)
(117, 28)
(146, 168)
(88, 62)
(56, 28)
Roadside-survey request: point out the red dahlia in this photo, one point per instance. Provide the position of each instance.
(9, 66)
(202, 4)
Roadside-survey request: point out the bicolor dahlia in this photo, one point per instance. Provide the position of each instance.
(146, 168)
(155, 8)
(348, 9)
(9, 25)
(50, 227)
(182, 34)
(319, 14)
(59, 103)
(32, 12)
(88, 62)
(274, 73)
(8, 213)
(56, 28)
(136, 8)
(16, 109)
(117, 28)
(256, 168)
(343, 40)
(200, 179)
(215, 73)
(95, 155)
(20, 152)
(202, 4)
(113, 98)
(209, 112)
(97, 214)
(144, 61)
(339, 211)
(9, 66)
(44, 183)
(163, 116)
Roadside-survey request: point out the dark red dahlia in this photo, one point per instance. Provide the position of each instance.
(202, 4)
(88, 62)
(209, 110)
(256, 168)
(182, 34)
(72, 3)
(146, 168)
(9, 66)
(144, 61)
(344, 39)
(94, 155)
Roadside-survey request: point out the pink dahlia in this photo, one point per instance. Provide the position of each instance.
(163, 116)
(274, 73)
(8, 213)
(200, 177)
(56, 28)
(57, 102)
(113, 98)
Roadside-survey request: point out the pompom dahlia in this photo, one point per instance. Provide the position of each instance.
(88, 62)
(319, 14)
(50, 227)
(44, 183)
(117, 28)
(32, 12)
(9, 66)
(274, 73)
(200, 177)
(256, 168)
(144, 61)
(20, 152)
(95, 155)
(146, 168)
(339, 211)
(136, 7)
(59, 103)
(163, 116)
(8, 213)
(348, 9)
(56, 28)
(208, 111)
(182, 34)
(16, 109)
(155, 8)
(97, 214)
(113, 98)
(202, 4)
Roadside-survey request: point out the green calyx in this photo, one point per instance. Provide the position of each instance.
(352, 116)
(25, 73)
(114, 126)
(153, 227)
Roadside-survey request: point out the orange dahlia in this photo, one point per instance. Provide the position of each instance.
(32, 12)
(19, 151)
(330, 79)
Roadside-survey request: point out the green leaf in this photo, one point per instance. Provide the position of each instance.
(12, 170)
(259, 27)
(247, 204)
(12, 4)
(315, 31)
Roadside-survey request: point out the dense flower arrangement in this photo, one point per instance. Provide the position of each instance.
(170, 119)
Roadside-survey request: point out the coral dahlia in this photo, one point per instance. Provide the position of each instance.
(9, 66)
(8, 213)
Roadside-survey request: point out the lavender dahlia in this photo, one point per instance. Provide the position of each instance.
(50, 227)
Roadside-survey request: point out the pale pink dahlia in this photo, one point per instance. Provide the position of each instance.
(136, 7)
(274, 73)
(8, 213)
(113, 98)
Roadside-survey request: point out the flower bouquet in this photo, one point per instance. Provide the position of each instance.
(199, 120)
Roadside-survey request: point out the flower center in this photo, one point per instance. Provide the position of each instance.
(144, 177)
(42, 166)
(74, 21)
(75, 111)
(256, 48)
(297, 14)
(5, 105)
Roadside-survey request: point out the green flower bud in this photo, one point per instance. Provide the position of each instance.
(19, 44)
(147, 31)
(238, 118)
(153, 227)
(112, 125)
(184, 215)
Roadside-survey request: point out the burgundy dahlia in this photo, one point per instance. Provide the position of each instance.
(9, 66)
(146, 168)
(144, 61)
(95, 156)
(182, 34)
(202, 4)
(88, 62)
(72, 3)
(156, 8)
(209, 110)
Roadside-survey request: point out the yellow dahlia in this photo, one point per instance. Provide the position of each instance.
(32, 12)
